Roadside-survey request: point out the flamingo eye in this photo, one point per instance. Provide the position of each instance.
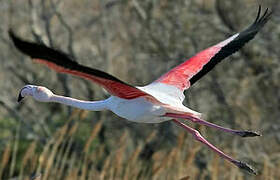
(40, 89)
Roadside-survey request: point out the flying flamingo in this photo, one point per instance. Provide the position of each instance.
(157, 102)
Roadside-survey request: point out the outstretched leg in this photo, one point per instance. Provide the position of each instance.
(198, 137)
(241, 133)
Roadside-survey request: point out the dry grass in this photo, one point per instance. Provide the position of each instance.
(59, 160)
(120, 41)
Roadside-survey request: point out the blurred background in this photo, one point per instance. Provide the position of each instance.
(137, 41)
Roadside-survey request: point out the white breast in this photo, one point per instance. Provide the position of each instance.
(137, 110)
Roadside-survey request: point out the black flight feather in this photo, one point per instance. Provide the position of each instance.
(40, 51)
(234, 45)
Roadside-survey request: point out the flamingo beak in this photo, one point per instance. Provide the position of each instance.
(20, 97)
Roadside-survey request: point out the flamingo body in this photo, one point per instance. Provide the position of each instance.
(157, 102)
(143, 110)
(137, 110)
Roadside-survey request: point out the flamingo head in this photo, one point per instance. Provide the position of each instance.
(37, 92)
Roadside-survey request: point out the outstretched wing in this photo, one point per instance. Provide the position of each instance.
(60, 62)
(187, 73)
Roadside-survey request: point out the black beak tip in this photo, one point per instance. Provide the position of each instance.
(20, 97)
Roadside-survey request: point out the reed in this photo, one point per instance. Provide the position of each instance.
(29, 154)
(5, 158)
(61, 158)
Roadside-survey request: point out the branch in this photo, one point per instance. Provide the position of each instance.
(68, 28)
(222, 15)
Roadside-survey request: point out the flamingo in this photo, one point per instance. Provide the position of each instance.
(154, 103)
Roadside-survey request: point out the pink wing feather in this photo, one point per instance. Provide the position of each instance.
(187, 73)
(180, 75)
(62, 63)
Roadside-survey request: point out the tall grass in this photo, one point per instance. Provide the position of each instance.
(60, 159)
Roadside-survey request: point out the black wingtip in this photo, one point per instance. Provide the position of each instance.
(12, 35)
(261, 20)
(18, 43)
(245, 167)
(259, 13)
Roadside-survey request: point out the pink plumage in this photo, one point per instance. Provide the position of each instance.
(157, 102)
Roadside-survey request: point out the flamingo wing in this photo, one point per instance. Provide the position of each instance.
(62, 63)
(187, 73)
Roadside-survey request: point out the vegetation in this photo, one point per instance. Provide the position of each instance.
(137, 41)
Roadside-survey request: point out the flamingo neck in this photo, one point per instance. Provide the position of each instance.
(87, 105)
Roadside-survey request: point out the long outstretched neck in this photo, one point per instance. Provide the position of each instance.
(87, 105)
(43, 94)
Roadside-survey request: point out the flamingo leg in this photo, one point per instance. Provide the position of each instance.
(242, 133)
(200, 138)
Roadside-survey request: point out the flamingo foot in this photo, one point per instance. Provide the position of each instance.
(247, 133)
(200, 138)
(245, 167)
